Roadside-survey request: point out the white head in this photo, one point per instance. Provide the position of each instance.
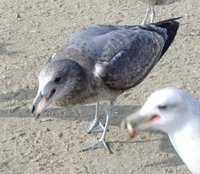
(58, 78)
(167, 109)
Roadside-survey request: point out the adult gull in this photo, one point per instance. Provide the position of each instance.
(176, 113)
(99, 63)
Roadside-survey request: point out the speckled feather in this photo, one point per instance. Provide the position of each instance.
(126, 54)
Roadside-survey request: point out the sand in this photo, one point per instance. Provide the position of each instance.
(30, 32)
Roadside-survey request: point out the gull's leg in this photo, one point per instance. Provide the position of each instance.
(101, 142)
(152, 14)
(146, 15)
(96, 125)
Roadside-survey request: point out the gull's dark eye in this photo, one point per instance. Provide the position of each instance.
(57, 79)
(162, 106)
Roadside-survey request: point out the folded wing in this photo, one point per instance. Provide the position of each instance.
(127, 58)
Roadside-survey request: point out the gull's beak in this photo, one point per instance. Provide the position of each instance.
(148, 121)
(41, 102)
(144, 122)
(36, 101)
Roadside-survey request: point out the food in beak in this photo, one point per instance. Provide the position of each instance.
(133, 132)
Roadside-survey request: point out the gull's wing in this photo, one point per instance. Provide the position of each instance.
(86, 46)
(121, 56)
(128, 57)
(90, 44)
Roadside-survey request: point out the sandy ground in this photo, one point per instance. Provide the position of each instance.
(30, 31)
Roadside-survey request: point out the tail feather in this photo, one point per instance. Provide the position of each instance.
(172, 27)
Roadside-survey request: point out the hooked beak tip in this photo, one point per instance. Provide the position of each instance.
(37, 116)
(33, 109)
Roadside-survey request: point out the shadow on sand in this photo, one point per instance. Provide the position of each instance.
(80, 112)
(86, 113)
(4, 49)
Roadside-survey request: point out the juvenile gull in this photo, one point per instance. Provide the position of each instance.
(99, 63)
(176, 113)
(150, 13)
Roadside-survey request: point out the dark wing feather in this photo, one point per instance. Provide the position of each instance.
(130, 66)
(171, 25)
(128, 59)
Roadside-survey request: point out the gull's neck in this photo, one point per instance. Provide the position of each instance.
(186, 141)
(90, 90)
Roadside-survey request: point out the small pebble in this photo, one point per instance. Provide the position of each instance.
(60, 135)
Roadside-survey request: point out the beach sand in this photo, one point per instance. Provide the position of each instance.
(30, 32)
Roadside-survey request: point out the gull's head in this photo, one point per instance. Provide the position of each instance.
(166, 110)
(58, 78)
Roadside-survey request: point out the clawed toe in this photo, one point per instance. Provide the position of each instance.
(94, 127)
(96, 144)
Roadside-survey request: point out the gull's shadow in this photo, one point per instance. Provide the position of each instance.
(86, 113)
(83, 113)
(79, 112)
(19, 95)
(4, 49)
(166, 146)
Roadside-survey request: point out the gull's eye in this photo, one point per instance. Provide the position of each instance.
(162, 106)
(57, 79)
